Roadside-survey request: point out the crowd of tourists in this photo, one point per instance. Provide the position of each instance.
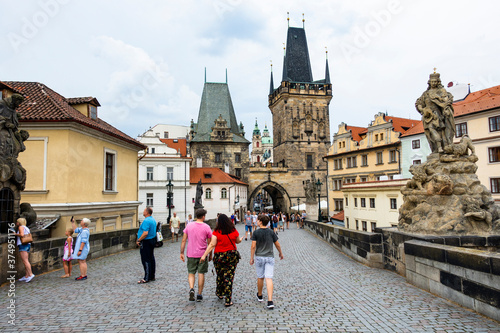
(199, 245)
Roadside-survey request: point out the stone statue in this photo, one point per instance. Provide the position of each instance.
(11, 142)
(445, 196)
(199, 193)
(310, 189)
(436, 108)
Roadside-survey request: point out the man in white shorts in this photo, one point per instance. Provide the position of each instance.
(262, 249)
(175, 223)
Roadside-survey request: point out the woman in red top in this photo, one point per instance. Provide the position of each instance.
(224, 240)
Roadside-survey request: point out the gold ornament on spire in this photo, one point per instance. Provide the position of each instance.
(288, 18)
(303, 20)
(435, 70)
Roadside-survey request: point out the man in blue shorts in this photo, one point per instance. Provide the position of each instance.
(248, 224)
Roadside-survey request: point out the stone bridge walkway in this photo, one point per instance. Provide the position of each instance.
(317, 289)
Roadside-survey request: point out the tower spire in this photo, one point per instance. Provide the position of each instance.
(303, 21)
(226, 75)
(205, 75)
(271, 88)
(327, 70)
(288, 18)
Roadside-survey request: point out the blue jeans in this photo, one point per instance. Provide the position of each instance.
(264, 267)
(24, 247)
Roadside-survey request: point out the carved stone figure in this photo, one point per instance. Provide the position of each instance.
(445, 196)
(436, 108)
(199, 193)
(310, 189)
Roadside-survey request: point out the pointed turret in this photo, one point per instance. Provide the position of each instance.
(256, 130)
(271, 88)
(296, 65)
(327, 71)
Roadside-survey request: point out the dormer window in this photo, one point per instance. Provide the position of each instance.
(208, 175)
(93, 112)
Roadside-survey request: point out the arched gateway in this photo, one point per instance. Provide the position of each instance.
(276, 196)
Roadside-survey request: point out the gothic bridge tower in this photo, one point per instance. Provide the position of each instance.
(301, 127)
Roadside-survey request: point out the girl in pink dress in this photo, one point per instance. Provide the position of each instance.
(68, 251)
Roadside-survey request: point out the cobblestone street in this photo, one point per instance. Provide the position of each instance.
(317, 289)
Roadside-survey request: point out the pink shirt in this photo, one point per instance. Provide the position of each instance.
(197, 235)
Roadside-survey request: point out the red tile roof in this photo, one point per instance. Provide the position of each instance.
(43, 104)
(180, 145)
(356, 131)
(217, 176)
(417, 129)
(339, 216)
(478, 101)
(402, 125)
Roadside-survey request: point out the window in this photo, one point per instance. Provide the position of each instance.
(364, 225)
(349, 180)
(208, 193)
(495, 185)
(351, 162)
(149, 199)
(337, 164)
(415, 162)
(362, 179)
(392, 156)
(337, 184)
(153, 150)
(257, 144)
(165, 135)
(374, 226)
(218, 157)
(149, 173)
(237, 158)
(347, 222)
(223, 193)
(339, 204)
(372, 202)
(258, 158)
(363, 202)
(380, 160)
(170, 173)
(460, 130)
(340, 144)
(237, 172)
(381, 136)
(93, 112)
(394, 203)
(346, 201)
(494, 123)
(376, 137)
(109, 175)
(355, 202)
(208, 175)
(364, 160)
(494, 154)
(415, 144)
(357, 225)
(309, 161)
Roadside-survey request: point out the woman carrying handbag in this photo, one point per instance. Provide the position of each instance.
(24, 239)
(226, 257)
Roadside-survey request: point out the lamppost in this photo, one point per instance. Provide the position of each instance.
(298, 205)
(318, 187)
(170, 187)
(236, 201)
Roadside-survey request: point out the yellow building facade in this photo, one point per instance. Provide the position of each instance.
(361, 154)
(77, 165)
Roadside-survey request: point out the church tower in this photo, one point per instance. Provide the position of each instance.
(257, 151)
(300, 110)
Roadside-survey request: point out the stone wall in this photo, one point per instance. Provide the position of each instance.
(46, 253)
(365, 247)
(466, 276)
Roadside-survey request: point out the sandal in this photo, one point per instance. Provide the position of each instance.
(142, 281)
(228, 304)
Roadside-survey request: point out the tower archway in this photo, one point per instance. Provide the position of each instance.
(274, 193)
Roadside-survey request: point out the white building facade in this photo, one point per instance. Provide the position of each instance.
(414, 149)
(165, 160)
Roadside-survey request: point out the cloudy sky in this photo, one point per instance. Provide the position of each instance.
(145, 60)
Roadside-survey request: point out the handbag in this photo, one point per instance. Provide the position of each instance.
(159, 236)
(238, 255)
(26, 239)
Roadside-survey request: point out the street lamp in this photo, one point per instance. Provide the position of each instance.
(318, 187)
(170, 187)
(298, 205)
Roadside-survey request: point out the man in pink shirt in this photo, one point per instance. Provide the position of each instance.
(198, 235)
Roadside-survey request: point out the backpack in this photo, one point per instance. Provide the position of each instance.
(275, 219)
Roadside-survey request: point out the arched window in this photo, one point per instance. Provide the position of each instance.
(258, 158)
(257, 144)
(223, 193)
(208, 193)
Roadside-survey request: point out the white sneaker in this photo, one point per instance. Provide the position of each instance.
(30, 278)
(23, 278)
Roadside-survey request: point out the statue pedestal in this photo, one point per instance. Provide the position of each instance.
(312, 211)
(195, 208)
